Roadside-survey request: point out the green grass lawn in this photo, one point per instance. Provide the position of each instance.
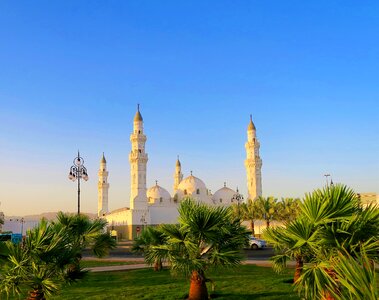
(103, 263)
(244, 282)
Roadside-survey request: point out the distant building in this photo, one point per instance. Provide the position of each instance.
(368, 198)
(156, 205)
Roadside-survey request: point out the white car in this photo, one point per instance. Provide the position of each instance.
(256, 243)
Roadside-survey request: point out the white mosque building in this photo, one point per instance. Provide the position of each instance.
(156, 205)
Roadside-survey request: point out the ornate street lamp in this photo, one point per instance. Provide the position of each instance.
(237, 197)
(143, 220)
(78, 171)
(326, 177)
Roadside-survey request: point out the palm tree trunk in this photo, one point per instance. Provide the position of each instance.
(328, 295)
(267, 223)
(252, 227)
(298, 268)
(158, 265)
(36, 294)
(198, 288)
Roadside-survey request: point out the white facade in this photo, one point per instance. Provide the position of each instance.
(156, 205)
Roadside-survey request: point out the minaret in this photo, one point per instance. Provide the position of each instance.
(138, 160)
(102, 188)
(178, 176)
(253, 163)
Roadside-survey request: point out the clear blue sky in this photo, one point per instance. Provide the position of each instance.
(72, 72)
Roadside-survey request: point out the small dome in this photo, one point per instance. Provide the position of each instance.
(157, 194)
(223, 196)
(251, 124)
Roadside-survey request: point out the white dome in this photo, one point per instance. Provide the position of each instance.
(192, 185)
(194, 188)
(157, 194)
(223, 196)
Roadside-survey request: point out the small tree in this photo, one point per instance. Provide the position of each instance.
(251, 212)
(205, 237)
(151, 236)
(267, 207)
(336, 237)
(288, 209)
(39, 265)
(81, 232)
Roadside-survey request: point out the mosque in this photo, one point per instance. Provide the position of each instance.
(156, 205)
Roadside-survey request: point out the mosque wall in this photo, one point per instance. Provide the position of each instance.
(164, 215)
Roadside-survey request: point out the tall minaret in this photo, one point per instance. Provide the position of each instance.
(138, 160)
(178, 176)
(253, 163)
(102, 188)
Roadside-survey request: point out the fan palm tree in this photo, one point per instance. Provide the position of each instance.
(151, 236)
(39, 265)
(294, 241)
(343, 228)
(83, 233)
(205, 237)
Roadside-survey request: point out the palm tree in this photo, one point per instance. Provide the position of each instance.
(83, 233)
(288, 209)
(39, 264)
(251, 212)
(343, 228)
(267, 208)
(151, 236)
(205, 237)
(293, 241)
(336, 237)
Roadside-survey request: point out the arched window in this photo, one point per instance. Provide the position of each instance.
(198, 191)
(185, 192)
(139, 150)
(220, 200)
(160, 199)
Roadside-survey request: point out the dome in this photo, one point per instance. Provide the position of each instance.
(194, 188)
(223, 196)
(157, 194)
(192, 184)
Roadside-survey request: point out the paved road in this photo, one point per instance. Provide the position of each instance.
(124, 253)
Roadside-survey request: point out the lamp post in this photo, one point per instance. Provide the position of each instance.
(237, 197)
(143, 220)
(78, 171)
(326, 176)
